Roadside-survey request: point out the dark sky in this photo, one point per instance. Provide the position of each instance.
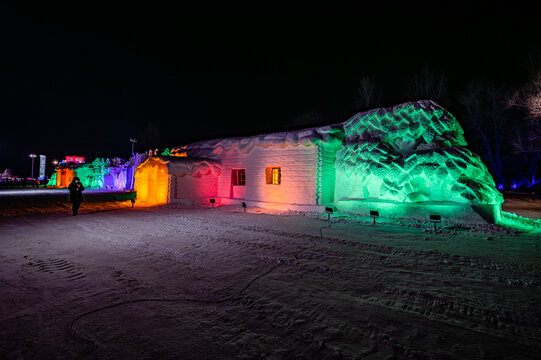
(83, 80)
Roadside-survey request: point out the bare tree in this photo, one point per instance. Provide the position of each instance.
(427, 84)
(527, 137)
(368, 93)
(487, 117)
(528, 99)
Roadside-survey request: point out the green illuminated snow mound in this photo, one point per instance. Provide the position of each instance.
(413, 152)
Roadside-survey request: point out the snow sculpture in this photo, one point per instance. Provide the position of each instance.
(52, 180)
(409, 161)
(414, 152)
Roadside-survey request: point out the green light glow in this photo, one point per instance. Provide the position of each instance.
(52, 180)
(166, 152)
(411, 153)
(91, 175)
(520, 223)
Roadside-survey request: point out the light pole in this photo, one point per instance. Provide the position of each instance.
(133, 141)
(32, 172)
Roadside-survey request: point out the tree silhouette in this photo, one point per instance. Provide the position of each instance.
(369, 95)
(487, 117)
(427, 84)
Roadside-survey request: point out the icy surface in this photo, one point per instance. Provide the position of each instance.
(221, 284)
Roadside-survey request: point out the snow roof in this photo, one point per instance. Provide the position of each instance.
(407, 119)
(330, 134)
(182, 166)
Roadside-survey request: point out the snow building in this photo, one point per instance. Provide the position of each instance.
(407, 161)
(100, 174)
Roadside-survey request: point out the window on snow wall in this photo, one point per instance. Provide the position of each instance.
(239, 177)
(274, 175)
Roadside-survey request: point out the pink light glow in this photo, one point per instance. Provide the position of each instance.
(76, 159)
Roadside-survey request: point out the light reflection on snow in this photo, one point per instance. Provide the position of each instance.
(37, 192)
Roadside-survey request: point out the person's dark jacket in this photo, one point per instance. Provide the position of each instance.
(76, 193)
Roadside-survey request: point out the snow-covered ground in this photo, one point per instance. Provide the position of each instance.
(185, 283)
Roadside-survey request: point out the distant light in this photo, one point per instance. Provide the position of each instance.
(500, 186)
(33, 155)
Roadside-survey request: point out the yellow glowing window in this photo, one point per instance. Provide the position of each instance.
(239, 177)
(274, 175)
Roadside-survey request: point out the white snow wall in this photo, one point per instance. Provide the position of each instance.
(299, 176)
(193, 190)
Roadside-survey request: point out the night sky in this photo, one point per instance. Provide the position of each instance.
(83, 80)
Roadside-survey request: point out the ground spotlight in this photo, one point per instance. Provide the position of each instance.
(244, 206)
(212, 201)
(374, 214)
(435, 219)
(329, 211)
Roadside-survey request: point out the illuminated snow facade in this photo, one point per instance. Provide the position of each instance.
(412, 154)
(406, 161)
(100, 174)
(161, 179)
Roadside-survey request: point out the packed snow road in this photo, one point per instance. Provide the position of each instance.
(184, 283)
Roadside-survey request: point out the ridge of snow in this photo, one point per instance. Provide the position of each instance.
(183, 166)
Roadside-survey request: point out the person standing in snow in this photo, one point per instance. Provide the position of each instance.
(76, 194)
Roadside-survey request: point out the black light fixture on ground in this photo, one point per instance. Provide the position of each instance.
(435, 219)
(329, 211)
(212, 201)
(374, 214)
(244, 206)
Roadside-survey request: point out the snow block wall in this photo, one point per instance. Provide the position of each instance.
(413, 153)
(194, 181)
(298, 172)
